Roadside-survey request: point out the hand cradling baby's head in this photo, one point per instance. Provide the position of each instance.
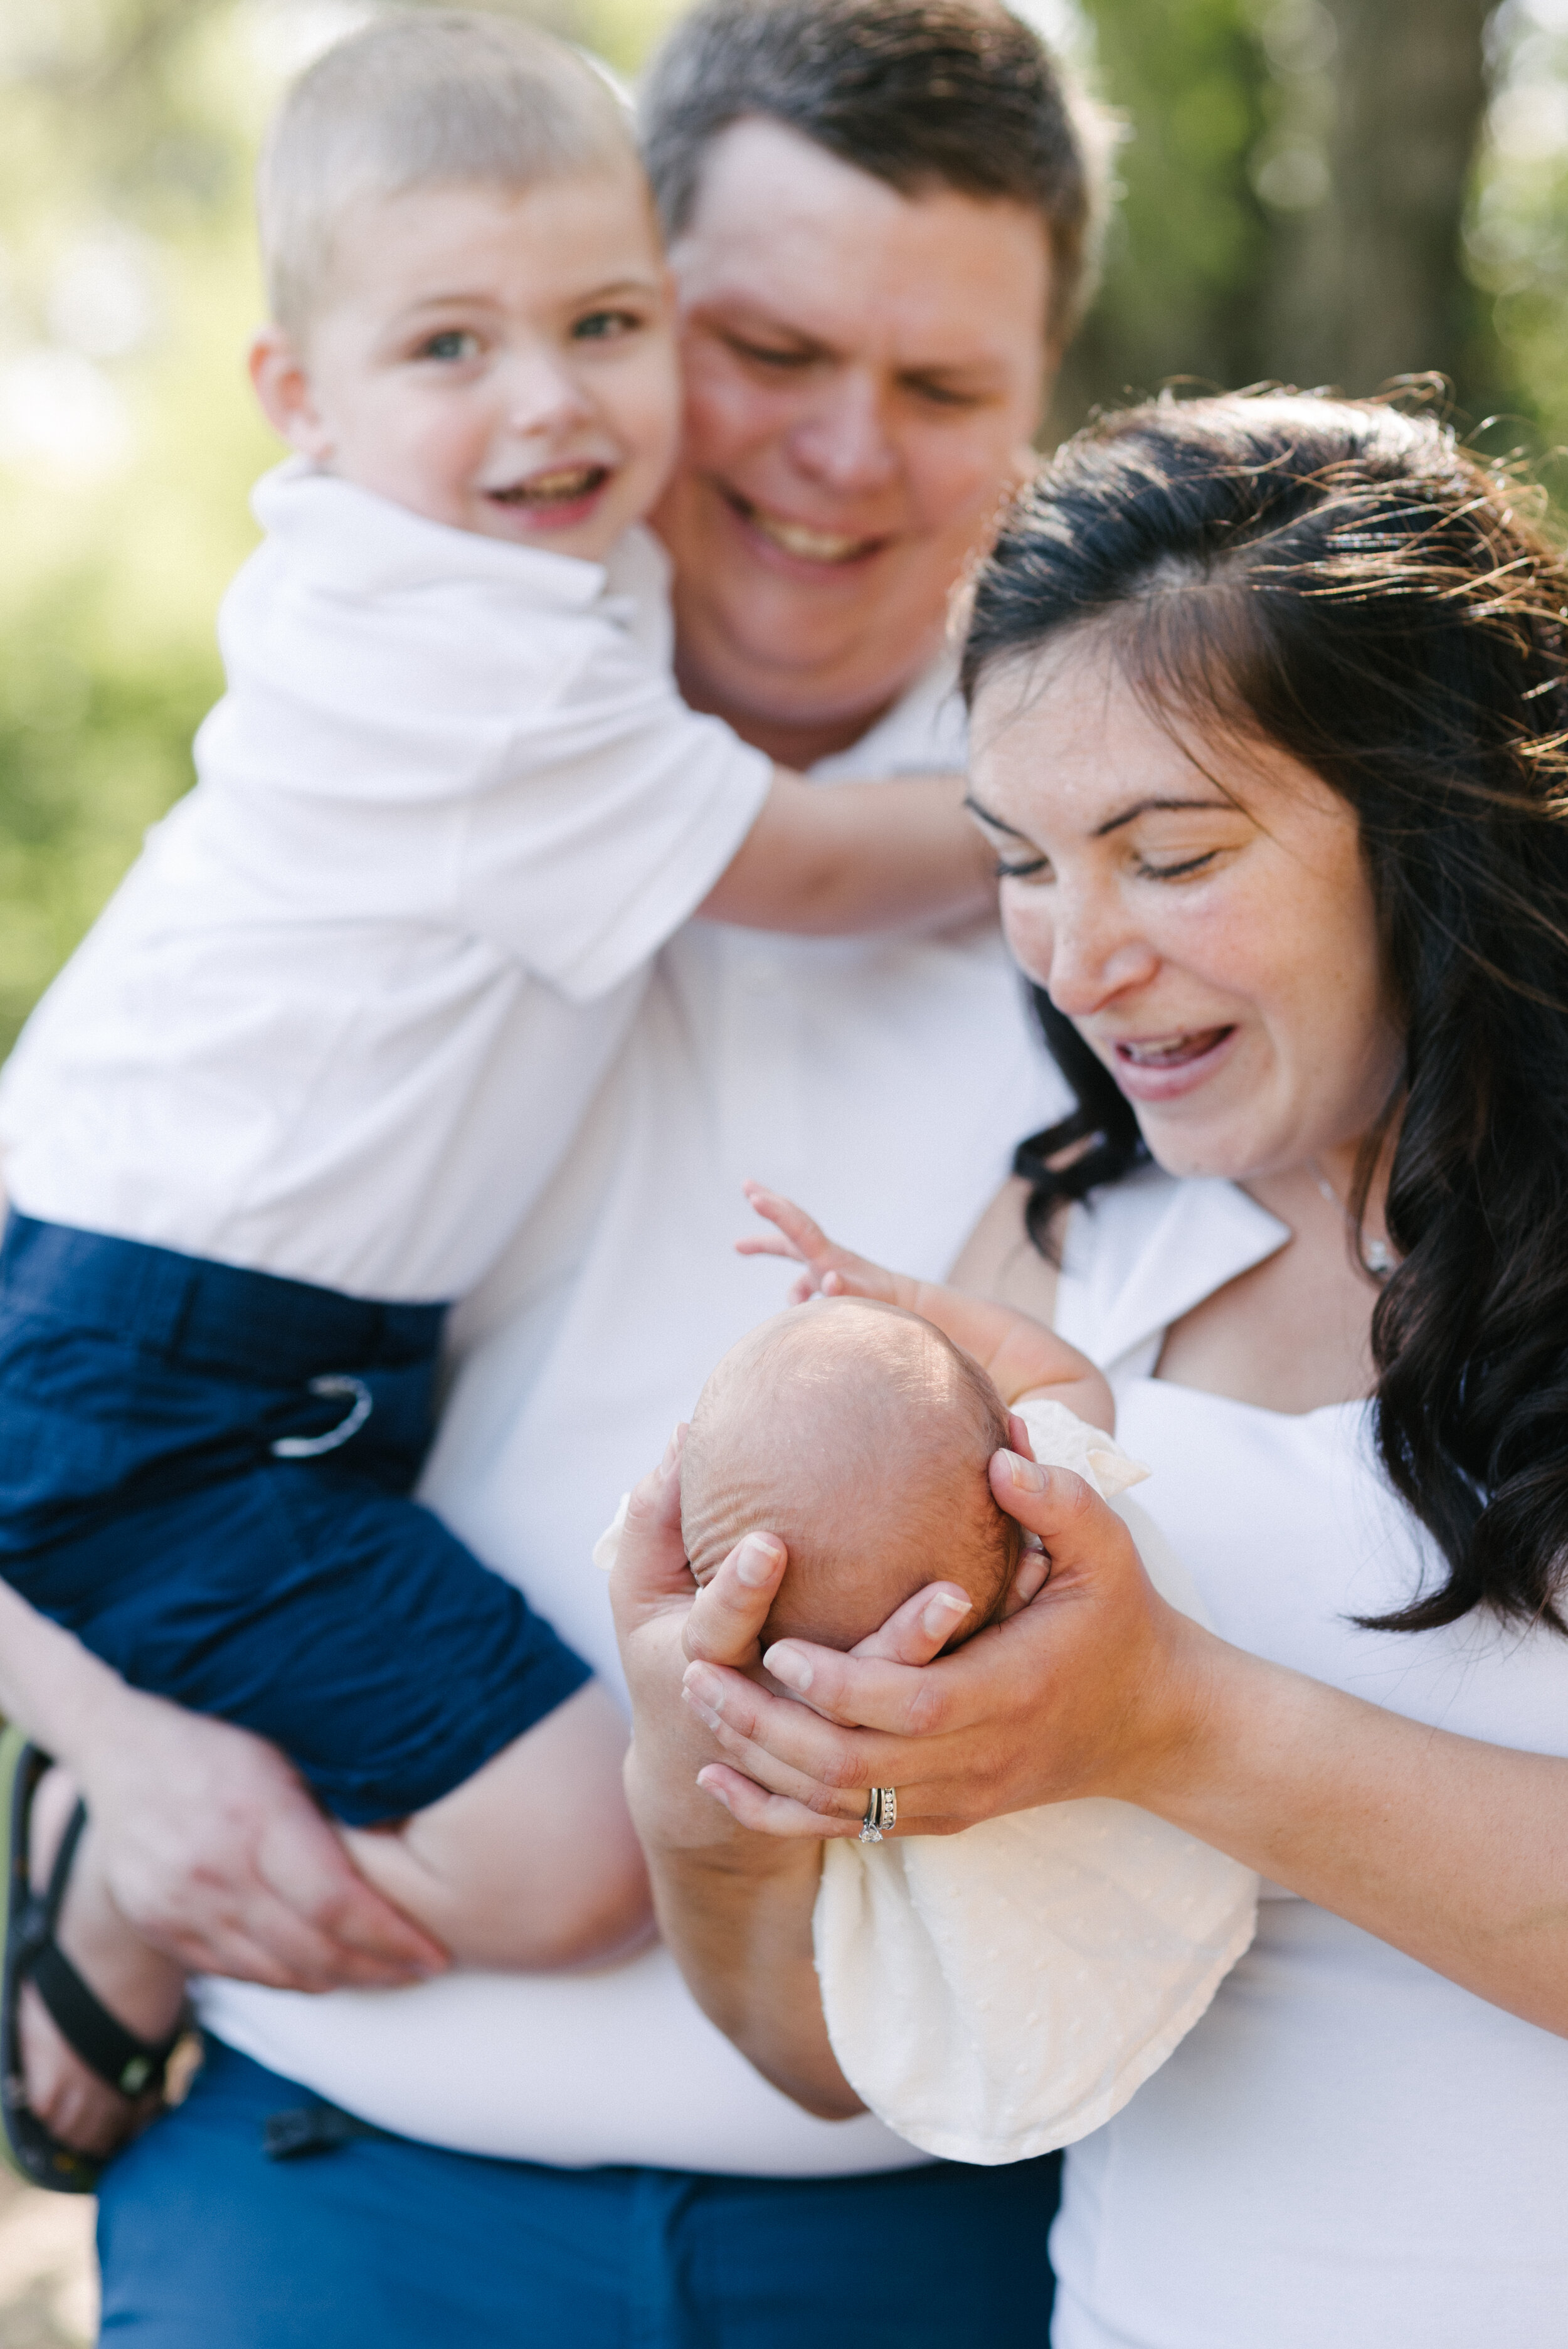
(860, 1436)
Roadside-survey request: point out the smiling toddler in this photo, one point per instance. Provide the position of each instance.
(332, 1038)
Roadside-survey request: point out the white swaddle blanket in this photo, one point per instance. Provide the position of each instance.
(997, 1993)
(1000, 1993)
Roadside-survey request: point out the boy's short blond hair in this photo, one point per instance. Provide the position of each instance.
(437, 97)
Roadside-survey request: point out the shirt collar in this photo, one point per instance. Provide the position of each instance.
(350, 540)
(1148, 1251)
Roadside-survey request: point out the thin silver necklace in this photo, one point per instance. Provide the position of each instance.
(1375, 1255)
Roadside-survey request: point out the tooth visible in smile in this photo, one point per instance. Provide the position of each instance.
(1167, 1051)
(812, 545)
(558, 488)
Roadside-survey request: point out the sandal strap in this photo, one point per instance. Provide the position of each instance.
(127, 2063)
(117, 2057)
(60, 1874)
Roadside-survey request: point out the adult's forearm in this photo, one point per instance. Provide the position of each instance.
(50, 1685)
(734, 1908)
(860, 857)
(1452, 1850)
(734, 1911)
(743, 1942)
(53, 1687)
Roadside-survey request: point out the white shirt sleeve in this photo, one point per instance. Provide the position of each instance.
(503, 754)
(606, 819)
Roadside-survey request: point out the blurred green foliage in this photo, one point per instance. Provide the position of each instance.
(128, 288)
(1516, 233)
(1189, 237)
(126, 439)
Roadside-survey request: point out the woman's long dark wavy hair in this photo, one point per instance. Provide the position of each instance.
(1340, 579)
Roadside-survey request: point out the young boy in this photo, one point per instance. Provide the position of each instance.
(998, 1994)
(335, 1032)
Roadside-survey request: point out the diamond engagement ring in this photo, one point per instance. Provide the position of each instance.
(882, 1811)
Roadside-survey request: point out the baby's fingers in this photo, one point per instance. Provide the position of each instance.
(804, 1287)
(767, 1244)
(805, 1239)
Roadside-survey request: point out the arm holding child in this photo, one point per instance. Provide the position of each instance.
(859, 856)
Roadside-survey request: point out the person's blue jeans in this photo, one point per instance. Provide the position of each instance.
(384, 2244)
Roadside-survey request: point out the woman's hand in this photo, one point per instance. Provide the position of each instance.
(1449, 1849)
(667, 1626)
(1087, 1690)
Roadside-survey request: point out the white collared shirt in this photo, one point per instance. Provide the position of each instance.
(1348, 2147)
(346, 1011)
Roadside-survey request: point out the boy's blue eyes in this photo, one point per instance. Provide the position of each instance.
(601, 324)
(457, 342)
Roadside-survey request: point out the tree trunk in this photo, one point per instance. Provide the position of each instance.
(1366, 284)
(1294, 185)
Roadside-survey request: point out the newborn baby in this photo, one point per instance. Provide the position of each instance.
(998, 1993)
(859, 1433)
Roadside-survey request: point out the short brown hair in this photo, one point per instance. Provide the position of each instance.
(918, 93)
(442, 97)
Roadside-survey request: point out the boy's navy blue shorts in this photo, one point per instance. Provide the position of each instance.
(205, 1475)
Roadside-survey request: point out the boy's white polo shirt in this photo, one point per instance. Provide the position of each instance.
(345, 1013)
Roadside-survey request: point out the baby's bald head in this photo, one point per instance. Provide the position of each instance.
(860, 1436)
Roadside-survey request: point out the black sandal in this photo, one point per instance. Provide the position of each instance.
(125, 2063)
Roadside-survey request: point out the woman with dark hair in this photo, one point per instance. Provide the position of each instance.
(1270, 712)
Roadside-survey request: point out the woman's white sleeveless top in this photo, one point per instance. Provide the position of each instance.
(1347, 2151)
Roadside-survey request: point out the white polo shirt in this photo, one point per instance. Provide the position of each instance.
(348, 1009)
(885, 1082)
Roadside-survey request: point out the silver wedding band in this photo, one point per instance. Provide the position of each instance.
(881, 1812)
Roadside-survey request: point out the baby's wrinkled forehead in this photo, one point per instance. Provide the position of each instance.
(835, 1399)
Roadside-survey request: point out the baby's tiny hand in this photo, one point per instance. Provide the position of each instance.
(831, 1270)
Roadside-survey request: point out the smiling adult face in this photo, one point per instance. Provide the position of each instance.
(863, 372)
(1201, 911)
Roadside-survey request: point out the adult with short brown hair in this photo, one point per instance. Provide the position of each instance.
(869, 340)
